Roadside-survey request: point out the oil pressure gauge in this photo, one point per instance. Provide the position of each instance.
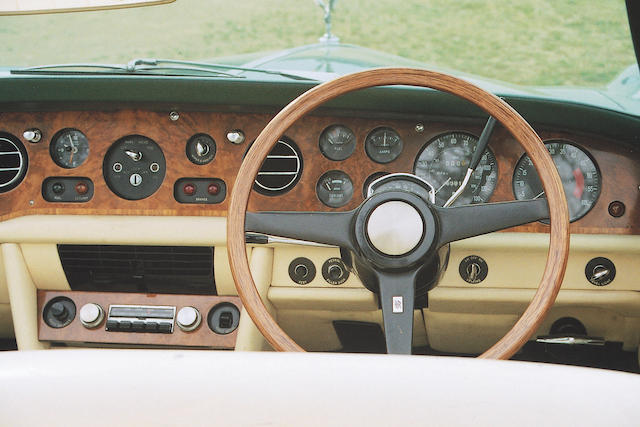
(334, 189)
(69, 148)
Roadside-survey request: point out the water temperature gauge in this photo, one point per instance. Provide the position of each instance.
(334, 189)
(69, 148)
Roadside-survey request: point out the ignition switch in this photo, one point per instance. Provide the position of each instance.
(473, 269)
(600, 271)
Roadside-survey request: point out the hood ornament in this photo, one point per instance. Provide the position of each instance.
(327, 6)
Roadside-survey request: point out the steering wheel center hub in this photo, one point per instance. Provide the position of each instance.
(395, 228)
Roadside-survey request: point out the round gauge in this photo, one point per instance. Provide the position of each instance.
(334, 189)
(134, 167)
(201, 149)
(69, 148)
(443, 163)
(383, 145)
(337, 142)
(369, 180)
(580, 177)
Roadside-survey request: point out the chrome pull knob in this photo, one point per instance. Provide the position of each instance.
(235, 136)
(32, 135)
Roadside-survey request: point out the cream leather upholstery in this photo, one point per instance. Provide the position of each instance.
(191, 388)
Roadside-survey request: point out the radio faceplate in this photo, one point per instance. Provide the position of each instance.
(138, 319)
(141, 318)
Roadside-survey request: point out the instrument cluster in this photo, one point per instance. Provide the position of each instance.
(443, 162)
(344, 160)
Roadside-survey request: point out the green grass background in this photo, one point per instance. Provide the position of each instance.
(535, 42)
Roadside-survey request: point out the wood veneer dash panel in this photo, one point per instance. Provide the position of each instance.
(617, 163)
(202, 336)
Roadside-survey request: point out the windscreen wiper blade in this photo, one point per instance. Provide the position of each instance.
(110, 69)
(134, 64)
(152, 66)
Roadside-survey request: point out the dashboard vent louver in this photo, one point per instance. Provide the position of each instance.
(13, 162)
(150, 269)
(281, 169)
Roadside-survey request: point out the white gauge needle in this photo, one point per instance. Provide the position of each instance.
(445, 183)
(538, 195)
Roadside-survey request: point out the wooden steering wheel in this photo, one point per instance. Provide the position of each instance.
(395, 275)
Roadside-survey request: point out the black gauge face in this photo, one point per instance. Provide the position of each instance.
(337, 142)
(69, 148)
(383, 145)
(201, 149)
(579, 174)
(134, 167)
(444, 161)
(334, 189)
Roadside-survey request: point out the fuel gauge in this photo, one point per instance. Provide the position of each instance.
(69, 148)
(337, 142)
(334, 189)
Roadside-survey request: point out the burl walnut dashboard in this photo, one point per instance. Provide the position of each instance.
(135, 162)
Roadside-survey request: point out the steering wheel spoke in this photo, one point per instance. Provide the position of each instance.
(397, 298)
(330, 228)
(474, 220)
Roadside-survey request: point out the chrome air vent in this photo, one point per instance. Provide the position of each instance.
(150, 269)
(281, 169)
(13, 162)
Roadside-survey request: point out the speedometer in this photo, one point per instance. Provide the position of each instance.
(444, 161)
(579, 174)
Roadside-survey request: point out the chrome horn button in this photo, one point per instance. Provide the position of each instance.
(395, 228)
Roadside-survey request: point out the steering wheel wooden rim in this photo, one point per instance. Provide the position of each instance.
(558, 252)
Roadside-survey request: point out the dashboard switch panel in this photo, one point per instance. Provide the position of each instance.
(200, 190)
(64, 189)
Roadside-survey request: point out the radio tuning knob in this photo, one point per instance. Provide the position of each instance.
(91, 315)
(188, 319)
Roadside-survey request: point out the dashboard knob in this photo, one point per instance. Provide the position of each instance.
(91, 315)
(188, 319)
(32, 135)
(235, 136)
(59, 311)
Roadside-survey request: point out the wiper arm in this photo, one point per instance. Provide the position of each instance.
(80, 68)
(147, 65)
(134, 64)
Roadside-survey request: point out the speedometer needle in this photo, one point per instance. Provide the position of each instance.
(445, 183)
(538, 195)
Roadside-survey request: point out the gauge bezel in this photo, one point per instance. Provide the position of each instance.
(582, 149)
(476, 138)
(351, 145)
(367, 142)
(326, 174)
(53, 143)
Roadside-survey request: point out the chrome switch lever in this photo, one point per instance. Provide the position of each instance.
(135, 155)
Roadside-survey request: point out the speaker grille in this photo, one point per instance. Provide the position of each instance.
(151, 269)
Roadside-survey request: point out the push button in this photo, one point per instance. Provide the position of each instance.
(164, 328)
